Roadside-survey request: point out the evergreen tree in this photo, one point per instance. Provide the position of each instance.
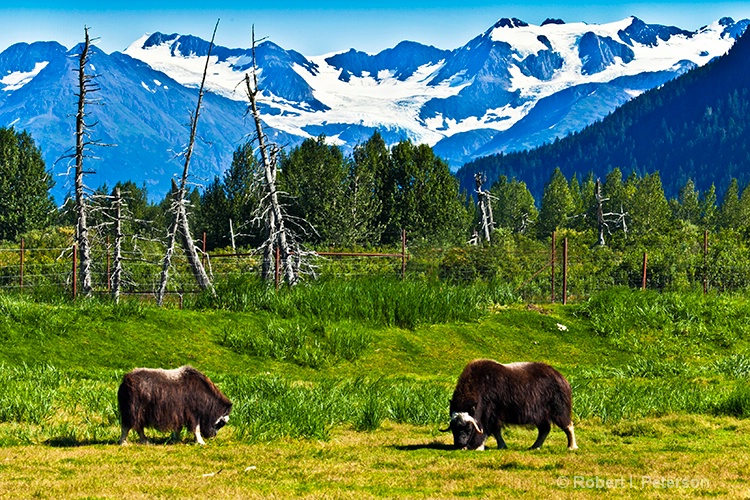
(729, 211)
(424, 196)
(513, 207)
(708, 208)
(688, 207)
(370, 161)
(231, 198)
(557, 205)
(25, 184)
(649, 212)
(315, 176)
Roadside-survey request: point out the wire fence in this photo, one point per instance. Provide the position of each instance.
(557, 271)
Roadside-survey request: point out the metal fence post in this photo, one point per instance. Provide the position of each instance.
(705, 262)
(403, 254)
(565, 271)
(20, 275)
(554, 250)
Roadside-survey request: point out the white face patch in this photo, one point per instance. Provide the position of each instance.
(224, 419)
(462, 416)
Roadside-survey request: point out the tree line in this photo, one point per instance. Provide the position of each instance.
(364, 199)
(694, 127)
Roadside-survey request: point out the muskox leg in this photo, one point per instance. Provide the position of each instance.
(142, 439)
(198, 437)
(124, 435)
(544, 429)
(500, 441)
(570, 432)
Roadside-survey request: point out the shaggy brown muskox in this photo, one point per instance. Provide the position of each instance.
(169, 400)
(490, 395)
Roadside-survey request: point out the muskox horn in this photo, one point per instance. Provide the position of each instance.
(475, 424)
(467, 418)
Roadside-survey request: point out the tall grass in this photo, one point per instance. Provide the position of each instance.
(377, 301)
(27, 394)
(306, 343)
(267, 407)
(632, 317)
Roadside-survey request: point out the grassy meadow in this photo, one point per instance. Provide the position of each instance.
(339, 391)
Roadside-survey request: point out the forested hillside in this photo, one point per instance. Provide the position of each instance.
(694, 127)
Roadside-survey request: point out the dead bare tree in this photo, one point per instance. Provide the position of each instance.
(485, 206)
(117, 263)
(271, 211)
(179, 201)
(82, 149)
(604, 220)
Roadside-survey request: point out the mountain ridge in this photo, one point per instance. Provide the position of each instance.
(514, 86)
(696, 127)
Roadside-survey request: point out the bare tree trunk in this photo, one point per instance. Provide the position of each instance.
(117, 271)
(82, 231)
(276, 226)
(600, 224)
(231, 236)
(180, 222)
(485, 208)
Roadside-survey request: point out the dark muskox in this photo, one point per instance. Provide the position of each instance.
(490, 395)
(169, 400)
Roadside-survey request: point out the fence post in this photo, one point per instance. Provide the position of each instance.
(705, 262)
(20, 276)
(75, 270)
(109, 269)
(554, 250)
(645, 269)
(403, 254)
(565, 271)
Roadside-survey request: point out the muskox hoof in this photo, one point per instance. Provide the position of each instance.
(572, 448)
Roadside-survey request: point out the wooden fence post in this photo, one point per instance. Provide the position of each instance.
(705, 262)
(565, 271)
(554, 250)
(403, 254)
(109, 269)
(20, 274)
(645, 270)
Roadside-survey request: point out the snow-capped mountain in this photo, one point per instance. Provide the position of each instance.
(474, 100)
(512, 87)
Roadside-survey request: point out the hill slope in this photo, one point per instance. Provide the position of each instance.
(695, 127)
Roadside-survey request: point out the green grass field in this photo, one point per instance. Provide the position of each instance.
(338, 404)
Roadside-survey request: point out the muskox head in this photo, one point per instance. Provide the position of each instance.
(214, 428)
(467, 433)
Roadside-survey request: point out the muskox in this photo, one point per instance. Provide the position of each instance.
(489, 395)
(168, 400)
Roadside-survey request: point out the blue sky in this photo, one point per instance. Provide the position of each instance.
(318, 28)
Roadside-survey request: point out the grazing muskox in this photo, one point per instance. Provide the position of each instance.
(169, 400)
(489, 395)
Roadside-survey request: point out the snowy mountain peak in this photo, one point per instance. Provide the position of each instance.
(510, 23)
(514, 86)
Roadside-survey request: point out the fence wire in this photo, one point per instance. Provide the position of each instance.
(532, 270)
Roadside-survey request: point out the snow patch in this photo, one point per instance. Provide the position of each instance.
(16, 80)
